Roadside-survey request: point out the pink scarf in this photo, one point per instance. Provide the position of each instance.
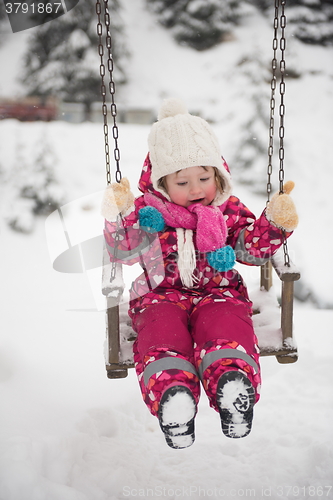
(211, 228)
(208, 221)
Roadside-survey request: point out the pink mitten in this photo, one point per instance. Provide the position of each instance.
(281, 209)
(117, 199)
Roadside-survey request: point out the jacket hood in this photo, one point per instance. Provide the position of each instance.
(146, 185)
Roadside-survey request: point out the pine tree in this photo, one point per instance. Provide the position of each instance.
(18, 211)
(250, 161)
(32, 188)
(311, 21)
(3, 18)
(2, 11)
(200, 24)
(42, 186)
(62, 57)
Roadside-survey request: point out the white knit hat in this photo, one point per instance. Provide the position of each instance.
(180, 140)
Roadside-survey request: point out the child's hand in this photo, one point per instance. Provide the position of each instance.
(281, 209)
(117, 199)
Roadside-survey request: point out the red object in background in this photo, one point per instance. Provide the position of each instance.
(28, 110)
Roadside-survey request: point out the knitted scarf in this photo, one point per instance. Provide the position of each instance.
(208, 221)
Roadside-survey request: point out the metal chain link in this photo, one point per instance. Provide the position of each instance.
(103, 89)
(280, 21)
(282, 108)
(272, 102)
(112, 89)
(116, 246)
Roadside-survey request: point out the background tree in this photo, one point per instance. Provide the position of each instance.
(200, 24)
(3, 18)
(252, 87)
(32, 188)
(62, 58)
(2, 11)
(311, 21)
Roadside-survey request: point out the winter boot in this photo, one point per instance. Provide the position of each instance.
(235, 399)
(176, 414)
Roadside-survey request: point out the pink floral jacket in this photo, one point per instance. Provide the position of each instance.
(253, 240)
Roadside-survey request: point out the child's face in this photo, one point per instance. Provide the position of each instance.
(192, 185)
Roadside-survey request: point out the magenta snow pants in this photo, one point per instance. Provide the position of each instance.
(177, 347)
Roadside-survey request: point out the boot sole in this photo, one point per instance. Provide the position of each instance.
(235, 400)
(176, 415)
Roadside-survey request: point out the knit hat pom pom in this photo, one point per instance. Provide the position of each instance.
(172, 107)
(222, 259)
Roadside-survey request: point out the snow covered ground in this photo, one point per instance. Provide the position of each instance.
(68, 433)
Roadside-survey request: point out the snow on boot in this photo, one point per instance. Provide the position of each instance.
(176, 416)
(235, 399)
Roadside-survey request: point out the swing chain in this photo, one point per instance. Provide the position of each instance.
(282, 93)
(112, 89)
(116, 246)
(279, 22)
(272, 102)
(282, 109)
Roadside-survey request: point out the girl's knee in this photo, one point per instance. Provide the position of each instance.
(163, 326)
(223, 320)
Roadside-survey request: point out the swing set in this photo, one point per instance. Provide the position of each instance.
(119, 334)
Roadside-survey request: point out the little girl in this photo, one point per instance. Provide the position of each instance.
(190, 307)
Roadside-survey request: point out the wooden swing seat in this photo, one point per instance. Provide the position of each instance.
(120, 336)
